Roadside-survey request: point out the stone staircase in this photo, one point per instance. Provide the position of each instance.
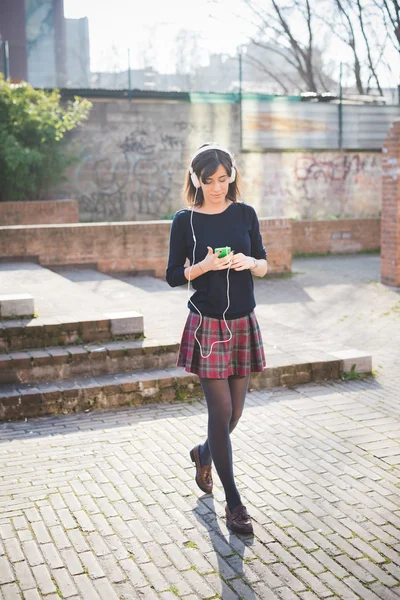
(65, 378)
(58, 364)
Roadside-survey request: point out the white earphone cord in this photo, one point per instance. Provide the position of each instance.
(191, 301)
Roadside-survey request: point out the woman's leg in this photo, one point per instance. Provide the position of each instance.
(221, 419)
(238, 387)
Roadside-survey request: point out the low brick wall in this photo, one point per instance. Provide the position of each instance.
(135, 247)
(336, 236)
(390, 255)
(46, 211)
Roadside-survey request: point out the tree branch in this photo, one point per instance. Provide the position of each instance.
(371, 66)
(259, 64)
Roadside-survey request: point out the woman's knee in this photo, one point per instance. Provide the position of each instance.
(223, 415)
(218, 398)
(236, 415)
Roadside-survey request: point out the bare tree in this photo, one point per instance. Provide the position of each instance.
(355, 23)
(288, 30)
(390, 10)
(342, 26)
(300, 33)
(280, 78)
(187, 52)
(363, 28)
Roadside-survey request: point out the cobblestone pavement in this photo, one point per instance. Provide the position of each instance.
(104, 506)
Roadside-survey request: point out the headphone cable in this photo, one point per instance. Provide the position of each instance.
(191, 301)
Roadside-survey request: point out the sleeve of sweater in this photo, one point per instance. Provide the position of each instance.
(177, 254)
(257, 246)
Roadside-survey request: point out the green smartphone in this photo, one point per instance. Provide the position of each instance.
(223, 251)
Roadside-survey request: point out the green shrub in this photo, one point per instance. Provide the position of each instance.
(33, 123)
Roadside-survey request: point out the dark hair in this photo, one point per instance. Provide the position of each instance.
(204, 165)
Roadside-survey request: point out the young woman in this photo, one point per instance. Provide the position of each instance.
(221, 341)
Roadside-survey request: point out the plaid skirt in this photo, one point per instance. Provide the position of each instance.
(243, 354)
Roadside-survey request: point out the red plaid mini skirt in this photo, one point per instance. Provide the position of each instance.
(243, 354)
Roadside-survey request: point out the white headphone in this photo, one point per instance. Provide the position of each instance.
(196, 183)
(193, 176)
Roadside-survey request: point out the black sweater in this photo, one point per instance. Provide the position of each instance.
(238, 227)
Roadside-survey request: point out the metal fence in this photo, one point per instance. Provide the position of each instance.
(291, 125)
(4, 59)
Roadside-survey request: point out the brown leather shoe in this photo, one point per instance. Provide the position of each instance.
(238, 519)
(203, 474)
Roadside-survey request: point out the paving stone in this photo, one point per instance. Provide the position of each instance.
(91, 564)
(41, 532)
(197, 560)
(378, 573)
(354, 568)
(43, 579)
(77, 540)
(175, 578)
(198, 583)
(111, 569)
(32, 553)
(360, 589)
(104, 504)
(66, 518)
(242, 589)
(133, 572)
(338, 587)
(385, 593)
(14, 550)
(11, 592)
(51, 556)
(6, 531)
(24, 576)
(286, 577)
(155, 576)
(6, 573)
(285, 593)
(31, 595)
(72, 561)
(64, 583)
(86, 588)
(313, 582)
(105, 590)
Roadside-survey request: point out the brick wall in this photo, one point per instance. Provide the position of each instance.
(136, 247)
(30, 213)
(390, 254)
(336, 236)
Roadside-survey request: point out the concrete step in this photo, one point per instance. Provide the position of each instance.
(54, 363)
(62, 331)
(151, 297)
(14, 306)
(158, 385)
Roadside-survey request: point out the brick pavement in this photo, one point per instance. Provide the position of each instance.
(103, 505)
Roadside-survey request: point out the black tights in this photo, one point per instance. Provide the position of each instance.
(225, 400)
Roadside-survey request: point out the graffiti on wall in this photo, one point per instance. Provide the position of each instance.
(134, 169)
(338, 168)
(314, 184)
(134, 175)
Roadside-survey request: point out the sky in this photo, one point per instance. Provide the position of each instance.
(149, 29)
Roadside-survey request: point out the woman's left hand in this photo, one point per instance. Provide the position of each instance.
(240, 262)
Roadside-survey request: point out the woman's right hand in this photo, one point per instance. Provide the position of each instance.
(212, 263)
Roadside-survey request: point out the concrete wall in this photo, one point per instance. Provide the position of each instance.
(134, 156)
